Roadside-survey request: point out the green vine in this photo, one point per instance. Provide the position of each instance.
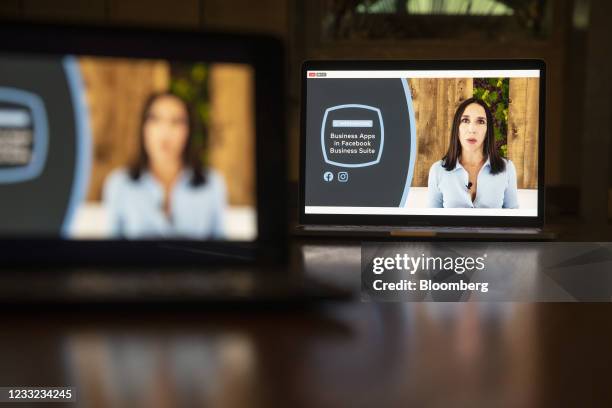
(495, 93)
(190, 83)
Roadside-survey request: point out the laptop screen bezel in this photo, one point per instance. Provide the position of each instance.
(423, 220)
(265, 54)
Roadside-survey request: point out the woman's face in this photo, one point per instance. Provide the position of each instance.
(166, 130)
(473, 128)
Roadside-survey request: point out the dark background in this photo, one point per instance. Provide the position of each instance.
(337, 354)
(48, 80)
(380, 185)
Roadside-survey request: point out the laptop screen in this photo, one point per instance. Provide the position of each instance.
(422, 142)
(95, 147)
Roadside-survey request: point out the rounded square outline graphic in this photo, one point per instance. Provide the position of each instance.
(40, 135)
(382, 135)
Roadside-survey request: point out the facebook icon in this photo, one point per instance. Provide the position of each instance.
(328, 176)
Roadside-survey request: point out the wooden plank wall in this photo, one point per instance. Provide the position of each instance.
(523, 130)
(232, 131)
(435, 102)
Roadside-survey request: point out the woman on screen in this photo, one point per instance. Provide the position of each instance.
(166, 193)
(472, 174)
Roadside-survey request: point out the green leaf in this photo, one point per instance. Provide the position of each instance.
(503, 150)
(198, 72)
(485, 97)
(498, 134)
(204, 111)
(182, 89)
(500, 110)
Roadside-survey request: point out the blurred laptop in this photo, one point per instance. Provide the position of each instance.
(381, 145)
(139, 154)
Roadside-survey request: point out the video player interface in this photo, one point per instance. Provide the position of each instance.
(460, 142)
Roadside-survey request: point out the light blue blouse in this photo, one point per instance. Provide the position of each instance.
(448, 189)
(135, 208)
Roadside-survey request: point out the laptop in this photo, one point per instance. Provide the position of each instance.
(423, 148)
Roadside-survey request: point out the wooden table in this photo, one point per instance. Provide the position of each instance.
(327, 354)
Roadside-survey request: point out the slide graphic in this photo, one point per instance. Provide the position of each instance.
(350, 140)
(39, 141)
(360, 142)
(23, 135)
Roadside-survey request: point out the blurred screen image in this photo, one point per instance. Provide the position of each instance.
(121, 148)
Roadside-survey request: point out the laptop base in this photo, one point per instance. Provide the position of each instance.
(395, 232)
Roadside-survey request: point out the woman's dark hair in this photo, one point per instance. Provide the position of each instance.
(191, 157)
(489, 148)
